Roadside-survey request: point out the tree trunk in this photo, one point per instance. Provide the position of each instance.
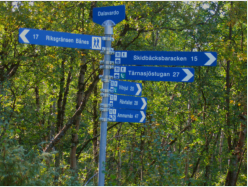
(236, 159)
(142, 147)
(220, 149)
(233, 166)
(80, 95)
(208, 140)
(63, 92)
(119, 164)
(58, 148)
(186, 169)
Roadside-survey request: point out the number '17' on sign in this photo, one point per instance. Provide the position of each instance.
(60, 39)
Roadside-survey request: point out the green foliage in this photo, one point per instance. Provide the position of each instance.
(186, 140)
(19, 167)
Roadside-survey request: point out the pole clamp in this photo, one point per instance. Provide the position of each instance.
(105, 80)
(106, 77)
(104, 119)
(104, 94)
(105, 105)
(106, 67)
(107, 51)
(104, 109)
(102, 62)
(104, 90)
(108, 38)
(107, 90)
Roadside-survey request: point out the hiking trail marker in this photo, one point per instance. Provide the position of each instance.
(120, 115)
(124, 87)
(127, 102)
(60, 39)
(164, 58)
(153, 73)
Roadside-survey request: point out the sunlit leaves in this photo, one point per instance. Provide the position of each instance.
(181, 117)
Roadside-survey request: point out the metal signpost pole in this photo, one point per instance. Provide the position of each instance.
(107, 65)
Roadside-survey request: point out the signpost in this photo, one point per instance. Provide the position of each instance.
(114, 13)
(107, 17)
(164, 58)
(60, 39)
(153, 73)
(133, 116)
(127, 102)
(114, 107)
(124, 87)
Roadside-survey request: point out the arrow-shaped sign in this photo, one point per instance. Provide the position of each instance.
(153, 73)
(139, 89)
(164, 58)
(211, 60)
(144, 104)
(60, 39)
(143, 117)
(113, 13)
(127, 102)
(124, 87)
(121, 115)
(189, 75)
(23, 35)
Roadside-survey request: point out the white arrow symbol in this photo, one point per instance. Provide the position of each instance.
(211, 59)
(143, 116)
(23, 35)
(139, 89)
(189, 75)
(144, 103)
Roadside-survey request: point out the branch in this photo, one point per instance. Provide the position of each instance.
(71, 121)
(88, 141)
(12, 112)
(133, 39)
(69, 78)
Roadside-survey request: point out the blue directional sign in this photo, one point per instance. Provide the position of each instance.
(127, 102)
(113, 13)
(60, 39)
(153, 73)
(164, 58)
(121, 115)
(124, 87)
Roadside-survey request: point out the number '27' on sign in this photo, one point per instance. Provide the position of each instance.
(153, 73)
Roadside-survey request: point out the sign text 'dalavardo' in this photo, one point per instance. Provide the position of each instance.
(113, 13)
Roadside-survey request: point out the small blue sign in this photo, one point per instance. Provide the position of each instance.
(153, 73)
(113, 13)
(124, 87)
(60, 39)
(164, 58)
(127, 102)
(121, 115)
